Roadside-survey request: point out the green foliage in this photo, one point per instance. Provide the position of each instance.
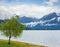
(12, 26)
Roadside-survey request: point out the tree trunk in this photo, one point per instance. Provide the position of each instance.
(9, 37)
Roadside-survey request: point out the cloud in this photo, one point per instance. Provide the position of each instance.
(51, 2)
(26, 10)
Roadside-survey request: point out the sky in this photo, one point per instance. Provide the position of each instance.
(29, 8)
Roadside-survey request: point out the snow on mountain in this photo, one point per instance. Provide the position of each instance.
(58, 19)
(45, 22)
(58, 14)
(31, 24)
(51, 20)
(49, 24)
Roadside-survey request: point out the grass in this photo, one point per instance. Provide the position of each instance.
(3, 43)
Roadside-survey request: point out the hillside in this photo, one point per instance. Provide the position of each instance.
(3, 43)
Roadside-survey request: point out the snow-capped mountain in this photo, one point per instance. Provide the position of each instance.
(50, 21)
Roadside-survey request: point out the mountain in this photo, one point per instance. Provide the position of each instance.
(47, 22)
(27, 19)
(49, 16)
(51, 22)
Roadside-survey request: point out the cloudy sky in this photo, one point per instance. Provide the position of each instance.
(30, 8)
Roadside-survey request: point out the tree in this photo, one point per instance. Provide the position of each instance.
(11, 28)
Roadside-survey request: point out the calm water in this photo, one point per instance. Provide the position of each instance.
(40, 37)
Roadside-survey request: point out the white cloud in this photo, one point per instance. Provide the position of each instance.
(51, 2)
(26, 10)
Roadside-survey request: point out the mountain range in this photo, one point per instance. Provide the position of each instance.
(48, 22)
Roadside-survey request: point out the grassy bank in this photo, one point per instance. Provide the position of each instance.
(3, 43)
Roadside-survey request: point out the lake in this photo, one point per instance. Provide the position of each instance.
(50, 38)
